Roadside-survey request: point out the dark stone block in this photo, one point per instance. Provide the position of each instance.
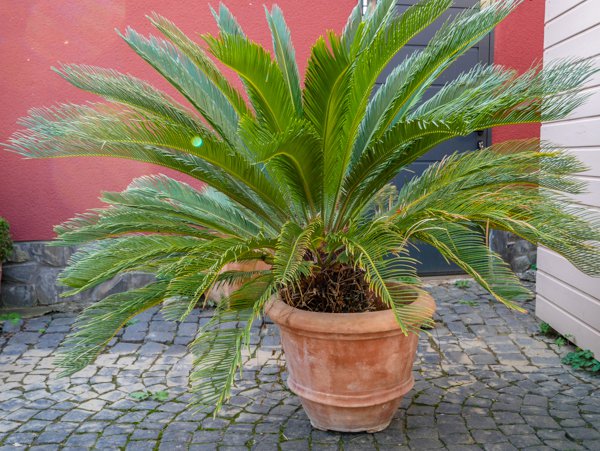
(19, 273)
(17, 295)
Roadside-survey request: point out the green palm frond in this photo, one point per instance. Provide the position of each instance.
(351, 32)
(226, 21)
(293, 179)
(289, 263)
(394, 280)
(285, 55)
(264, 81)
(451, 41)
(218, 347)
(104, 130)
(376, 19)
(467, 248)
(217, 357)
(291, 159)
(195, 53)
(327, 82)
(386, 44)
(99, 323)
(515, 186)
(96, 263)
(130, 91)
(193, 275)
(182, 73)
(391, 36)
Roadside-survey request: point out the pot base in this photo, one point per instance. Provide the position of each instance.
(349, 419)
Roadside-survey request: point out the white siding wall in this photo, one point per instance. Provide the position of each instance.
(567, 299)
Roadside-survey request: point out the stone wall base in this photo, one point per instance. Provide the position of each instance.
(29, 275)
(29, 279)
(520, 254)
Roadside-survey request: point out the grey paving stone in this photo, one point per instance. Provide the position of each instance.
(20, 439)
(140, 445)
(541, 422)
(52, 437)
(82, 440)
(497, 387)
(111, 442)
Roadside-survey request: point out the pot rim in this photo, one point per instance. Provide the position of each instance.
(285, 315)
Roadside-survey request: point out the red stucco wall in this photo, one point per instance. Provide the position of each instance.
(519, 43)
(36, 34)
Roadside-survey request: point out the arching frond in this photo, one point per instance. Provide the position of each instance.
(325, 104)
(289, 263)
(385, 45)
(285, 55)
(182, 73)
(96, 263)
(391, 36)
(262, 77)
(467, 248)
(226, 21)
(217, 348)
(513, 187)
(195, 53)
(292, 159)
(70, 130)
(99, 323)
(130, 91)
(393, 279)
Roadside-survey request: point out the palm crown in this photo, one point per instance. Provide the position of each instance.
(297, 176)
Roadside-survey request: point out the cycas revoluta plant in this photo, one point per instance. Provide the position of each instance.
(294, 176)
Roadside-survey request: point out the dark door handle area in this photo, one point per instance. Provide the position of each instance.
(480, 142)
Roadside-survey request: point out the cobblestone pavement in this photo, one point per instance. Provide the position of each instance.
(484, 380)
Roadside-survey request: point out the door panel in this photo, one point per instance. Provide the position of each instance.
(431, 262)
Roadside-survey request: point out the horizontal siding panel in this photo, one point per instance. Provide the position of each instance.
(568, 299)
(591, 108)
(567, 324)
(579, 304)
(582, 45)
(590, 157)
(580, 133)
(555, 8)
(592, 197)
(578, 19)
(553, 264)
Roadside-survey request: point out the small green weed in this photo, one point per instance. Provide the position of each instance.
(159, 396)
(462, 284)
(470, 303)
(41, 331)
(546, 329)
(560, 341)
(140, 395)
(533, 267)
(14, 318)
(582, 359)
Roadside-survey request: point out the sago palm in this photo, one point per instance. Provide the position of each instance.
(295, 175)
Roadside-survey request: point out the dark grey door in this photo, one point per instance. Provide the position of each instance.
(431, 262)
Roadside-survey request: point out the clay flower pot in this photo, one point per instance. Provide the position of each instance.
(350, 370)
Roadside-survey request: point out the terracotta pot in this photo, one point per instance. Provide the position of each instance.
(350, 370)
